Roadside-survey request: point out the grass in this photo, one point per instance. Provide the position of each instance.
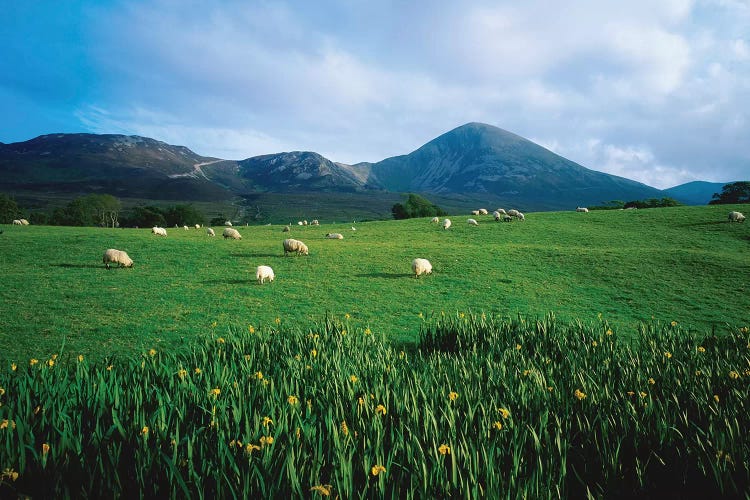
(684, 264)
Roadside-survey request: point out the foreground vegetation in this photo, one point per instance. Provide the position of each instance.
(500, 407)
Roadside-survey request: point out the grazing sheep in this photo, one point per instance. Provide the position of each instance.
(507, 218)
(472, 222)
(263, 273)
(475, 212)
(435, 220)
(520, 216)
(16, 222)
(482, 211)
(158, 231)
(736, 217)
(421, 266)
(294, 246)
(513, 212)
(24, 222)
(116, 257)
(231, 233)
(582, 209)
(228, 223)
(210, 232)
(500, 211)
(286, 229)
(185, 228)
(446, 223)
(197, 226)
(315, 222)
(335, 236)
(304, 222)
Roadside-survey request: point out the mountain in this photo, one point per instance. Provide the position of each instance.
(128, 166)
(497, 164)
(301, 171)
(696, 192)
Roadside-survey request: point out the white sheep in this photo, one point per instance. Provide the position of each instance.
(210, 232)
(472, 222)
(421, 266)
(185, 228)
(197, 226)
(435, 220)
(228, 223)
(500, 211)
(231, 233)
(520, 216)
(286, 229)
(158, 231)
(513, 212)
(475, 212)
(482, 211)
(24, 222)
(335, 236)
(294, 246)
(446, 223)
(315, 222)
(582, 209)
(116, 257)
(16, 222)
(736, 217)
(263, 273)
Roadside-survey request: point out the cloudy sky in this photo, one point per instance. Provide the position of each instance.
(653, 90)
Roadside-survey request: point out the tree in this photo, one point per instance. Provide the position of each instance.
(90, 210)
(8, 209)
(183, 215)
(415, 206)
(734, 192)
(144, 216)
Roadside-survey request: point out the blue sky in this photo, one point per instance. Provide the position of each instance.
(656, 91)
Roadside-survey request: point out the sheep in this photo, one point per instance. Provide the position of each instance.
(158, 231)
(354, 228)
(263, 273)
(520, 216)
(435, 220)
(482, 211)
(335, 236)
(446, 223)
(228, 223)
(500, 211)
(286, 229)
(16, 222)
(736, 217)
(472, 222)
(185, 228)
(210, 232)
(294, 246)
(421, 266)
(231, 233)
(582, 210)
(299, 223)
(116, 257)
(475, 212)
(512, 212)
(315, 222)
(507, 218)
(197, 226)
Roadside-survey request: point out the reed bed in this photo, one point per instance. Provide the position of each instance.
(482, 406)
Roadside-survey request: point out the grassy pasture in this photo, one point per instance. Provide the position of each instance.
(684, 264)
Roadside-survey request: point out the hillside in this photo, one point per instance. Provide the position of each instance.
(491, 162)
(696, 192)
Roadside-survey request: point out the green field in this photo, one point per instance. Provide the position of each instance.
(683, 264)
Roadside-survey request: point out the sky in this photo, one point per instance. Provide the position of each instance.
(657, 91)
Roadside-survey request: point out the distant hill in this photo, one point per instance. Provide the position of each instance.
(473, 165)
(696, 192)
(495, 164)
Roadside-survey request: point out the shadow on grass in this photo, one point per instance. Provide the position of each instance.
(256, 255)
(250, 281)
(81, 266)
(384, 275)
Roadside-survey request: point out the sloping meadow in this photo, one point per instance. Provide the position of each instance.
(480, 406)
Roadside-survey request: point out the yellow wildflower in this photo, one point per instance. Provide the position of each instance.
(277, 321)
(716, 398)
(453, 396)
(667, 354)
(421, 315)
(651, 381)
(503, 412)
(80, 358)
(292, 400)
(267, 421)
(526, 373)
(45, 448)
(251, 328)
(642, 394)
(213, 325)
(631, 393)
(347, 316)
(144, 431)
(2, 391)
(266, 440)
(215, 391)
(734, 375)
(323, 489)
(698, 373)
(550, 388)
(609, 332)
(444, 449)
(9, 473)
(518, 347)
(314, 353)
(497, 425)
(298, 432)
(221, 340)
(33, 361)
(4, 423)
(595, 343)
(13, 366)
(673, 323)
(250, 447)
(377, 469)
(580, 395)
(380, 410)
(461, 315)
(259, 375)
(701, 349)
(181, 373)
(198, 371)
(109, 368)
(368, 331)
(353, 378)
(344, 428)
(152, 352)
(361, 401)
